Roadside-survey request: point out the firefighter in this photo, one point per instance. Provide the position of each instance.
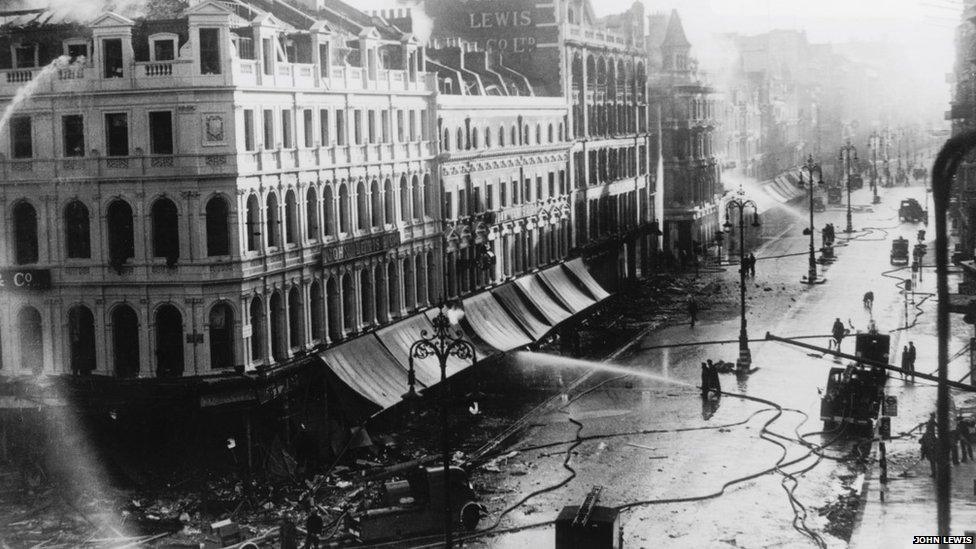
(716, 384)
(838, 332)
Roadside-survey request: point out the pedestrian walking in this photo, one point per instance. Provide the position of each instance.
(905, 361)
(692, 311)
(313, 526)
(752, 265)
(966, 430)
(911, 358)
(838, 332)
(928, 443)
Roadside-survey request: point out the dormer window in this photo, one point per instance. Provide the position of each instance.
(163, 47)
(25, 55)
(209, 51)
(75, 49)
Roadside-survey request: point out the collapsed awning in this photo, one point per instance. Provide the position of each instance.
(553, 312)
(509, 296)
(492, 324)
(565, 289)
(368, 369)
(399, 337)
(584, 276)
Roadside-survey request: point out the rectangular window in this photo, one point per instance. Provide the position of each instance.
(476, 200)
(489, 197)
(161, 132)
(209, 51)
(21, 137)
(286, 132)
(117, 134)
(24, 56)
(269, 134)
(527, 190)
(413, 125)
(448, 206)
(267, 56)
(324, 128)
(400, 126)
(163, 50)
(502, 199)
(424, 132)
(324, 60)
(112, 58)
(307, 126)
(371, 125)
(385, 125)
(245, 47)
(248, 130)
(538, 187)
(340, 127)
(357, 126)
(73, 132)
(552, 184)
(462, 203)
(77, 50)
(515, 193)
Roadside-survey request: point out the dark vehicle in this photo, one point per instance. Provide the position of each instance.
(899, 251)
(911, 210)
(818, 204)
(835, 195)
(853, 395)
(415, 506)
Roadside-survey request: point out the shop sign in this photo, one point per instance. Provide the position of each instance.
(27, 280)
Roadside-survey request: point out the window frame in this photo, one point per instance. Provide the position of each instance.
(106, 126)
(161, 37)
(64, 136)
(172, 132)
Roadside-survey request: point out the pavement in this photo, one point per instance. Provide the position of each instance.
(690, 473)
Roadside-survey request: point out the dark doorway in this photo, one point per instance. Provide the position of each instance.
(125, 341)
(81, 340)
(169, 342)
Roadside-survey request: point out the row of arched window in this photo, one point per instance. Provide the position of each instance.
(344, 304)
(609, 96)
(124, 343)
(351, 207)
(120, 230)
(486, 138)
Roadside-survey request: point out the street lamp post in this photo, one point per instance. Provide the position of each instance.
(812, 168)
(740, 203)
(848, 155)
(443, 343)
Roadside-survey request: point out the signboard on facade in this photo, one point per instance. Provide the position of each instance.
(360, 247)
(889, 406)
(496, 25)
(25, 280)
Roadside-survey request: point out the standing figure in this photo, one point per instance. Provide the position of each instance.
(911, 358)
(928, 443)
(964, 426)
(906, 362)
(692, 311)
(313, 526)
(838, 332)
(716, 384)
(752, 265)
(706, 380)
(869, 301)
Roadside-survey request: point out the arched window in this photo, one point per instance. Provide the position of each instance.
(392, 289)
(379, 295)
(428, 196)
(525, 135)
(273, 221)
(334, 308)
(31, 337)
(430, 271)
(501, 136)
(487, 138)
(218, 229)
(362, 207)
(474, 138)
(559, 135)
(311, 214)
(389, 202)
(366, 295)
(315, 309)
(404, 199)
(514, 135)
(165, 230)
(257, 329)
(77, 230)
(296, 314)
(460, 139)
(551, 136)
(538, 134)
(376, 204)
(25, 233)
(328, 212)
(409, 284)
(169, 342)
(253, 224)
(121, 238)
(348, 304)
(221, 336)
(344, 212)
(421, 276)
(81, 340)
(275, 310)
(125, 341)
(291, 217)
(418, 206)
(447, 140)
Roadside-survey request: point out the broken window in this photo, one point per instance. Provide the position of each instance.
(112, 58)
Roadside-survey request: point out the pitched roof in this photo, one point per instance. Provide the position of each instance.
(675, 35)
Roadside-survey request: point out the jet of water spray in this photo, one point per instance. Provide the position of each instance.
(26, 91)
(544, 359)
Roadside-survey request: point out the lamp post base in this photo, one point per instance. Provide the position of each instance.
(744, 362)
(812, 281)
